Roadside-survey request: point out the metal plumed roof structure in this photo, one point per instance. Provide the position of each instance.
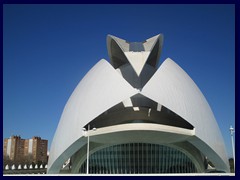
(136, 53)
(132, 80)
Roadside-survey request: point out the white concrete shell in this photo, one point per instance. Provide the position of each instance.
(174, 89)
(132, 79)
(99, 90)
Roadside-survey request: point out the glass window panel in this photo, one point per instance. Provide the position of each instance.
(138, 158)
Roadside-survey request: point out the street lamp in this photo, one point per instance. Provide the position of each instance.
(86, 134)
(232, 131)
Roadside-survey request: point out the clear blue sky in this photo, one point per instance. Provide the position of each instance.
(47, 49)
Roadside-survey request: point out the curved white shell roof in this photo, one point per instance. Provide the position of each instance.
(99, 90)
(174, 89)
(103, 87)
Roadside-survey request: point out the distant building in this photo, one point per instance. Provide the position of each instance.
(20, 150)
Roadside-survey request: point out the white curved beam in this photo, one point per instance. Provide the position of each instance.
(174, 89)
(116, 48)
(130, 133)
(101, 88)
(154, 45)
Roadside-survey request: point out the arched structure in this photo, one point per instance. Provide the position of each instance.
(131, 102)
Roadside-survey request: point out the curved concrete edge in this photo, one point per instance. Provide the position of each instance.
(156, 39)
(182, 139)
(211, 154)
(129, 133)
(100, 89)
(120, 46)
(172, 87)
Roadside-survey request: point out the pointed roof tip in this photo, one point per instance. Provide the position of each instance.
(115, 37)
(109, 35)
(161, 36)
(158, 36)
(112, 36)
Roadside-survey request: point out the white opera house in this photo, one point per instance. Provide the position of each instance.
(132, 116)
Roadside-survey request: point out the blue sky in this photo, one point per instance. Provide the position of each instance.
(47, 49)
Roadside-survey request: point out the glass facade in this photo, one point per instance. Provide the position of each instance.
(138, 158)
